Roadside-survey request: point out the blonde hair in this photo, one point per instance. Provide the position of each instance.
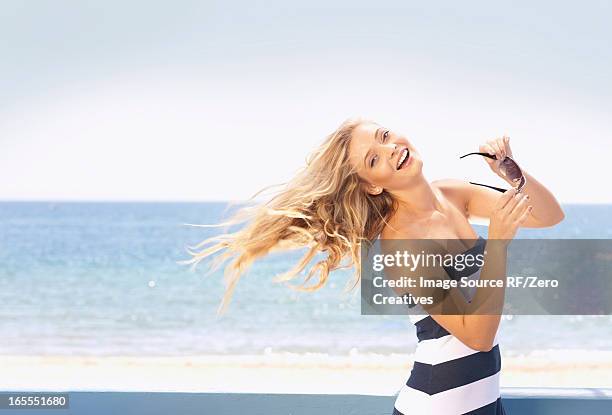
(324, 208)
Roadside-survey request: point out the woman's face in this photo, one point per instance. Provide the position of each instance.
(384, 159)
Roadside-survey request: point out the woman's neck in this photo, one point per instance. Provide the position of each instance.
(418, 201)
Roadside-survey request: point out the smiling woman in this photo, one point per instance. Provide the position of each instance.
(384, 153)
(366, 182)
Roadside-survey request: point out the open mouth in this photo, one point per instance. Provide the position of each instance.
(403, 158)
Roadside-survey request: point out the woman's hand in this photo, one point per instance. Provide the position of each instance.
(500, 148)
(510, 211)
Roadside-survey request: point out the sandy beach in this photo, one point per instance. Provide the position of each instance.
(281, 373)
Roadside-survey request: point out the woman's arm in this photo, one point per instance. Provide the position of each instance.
(476, 323)
(546, 210)
(480, 200)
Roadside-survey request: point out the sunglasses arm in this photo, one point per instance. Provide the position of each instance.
(491, 156)
(499, 189)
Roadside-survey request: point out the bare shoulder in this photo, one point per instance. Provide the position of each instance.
(455, 191)
(450, 185)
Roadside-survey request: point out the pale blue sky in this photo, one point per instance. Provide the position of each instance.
(215, 100)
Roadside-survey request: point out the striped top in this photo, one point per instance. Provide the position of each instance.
(448, 377)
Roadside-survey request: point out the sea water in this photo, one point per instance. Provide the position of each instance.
(103, 279)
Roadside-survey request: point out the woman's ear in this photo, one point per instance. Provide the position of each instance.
(373, 189)
(370, 188)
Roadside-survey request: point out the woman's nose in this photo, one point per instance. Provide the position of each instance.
(392, 147)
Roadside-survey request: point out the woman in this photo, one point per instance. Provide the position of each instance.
(364, 182)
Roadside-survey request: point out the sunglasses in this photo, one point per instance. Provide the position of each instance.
(508, 168)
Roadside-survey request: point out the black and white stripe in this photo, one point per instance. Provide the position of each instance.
(448, 377)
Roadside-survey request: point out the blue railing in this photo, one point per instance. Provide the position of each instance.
(517, 401)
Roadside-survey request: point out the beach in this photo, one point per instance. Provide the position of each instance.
(280, 373)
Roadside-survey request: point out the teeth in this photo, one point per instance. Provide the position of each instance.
(402, 158)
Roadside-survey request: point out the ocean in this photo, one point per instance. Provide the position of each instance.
(103, 279)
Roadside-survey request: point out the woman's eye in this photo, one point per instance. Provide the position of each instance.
(385, 136)
(373, 161)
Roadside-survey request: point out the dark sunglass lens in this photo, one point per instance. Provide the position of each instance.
(522, 183)
(510, 169)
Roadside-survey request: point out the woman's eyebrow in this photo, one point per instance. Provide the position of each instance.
(368, 153)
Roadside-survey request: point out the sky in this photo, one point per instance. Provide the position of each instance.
(196, 100)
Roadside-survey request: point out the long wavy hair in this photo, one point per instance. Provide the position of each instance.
(325, 208)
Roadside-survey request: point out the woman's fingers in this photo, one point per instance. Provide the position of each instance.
(506, 141)
(502, 147)
(512, 203)
(505, 199)
(486, 148)
(497, 148)
(494, 148)
(521, 219)
(510, 211)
